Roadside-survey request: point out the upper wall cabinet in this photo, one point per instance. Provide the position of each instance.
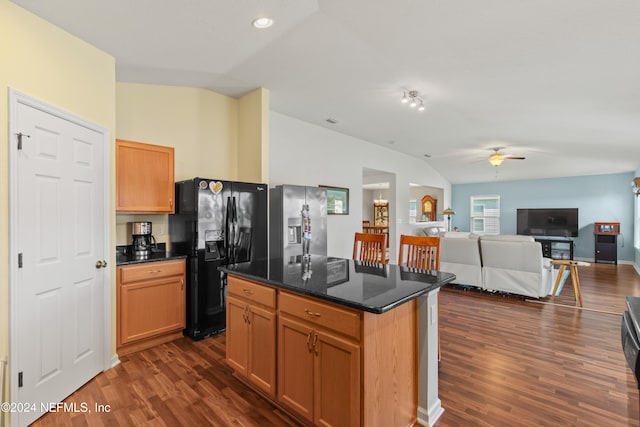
(144, 178)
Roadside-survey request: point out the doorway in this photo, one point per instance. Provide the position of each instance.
(378, 204)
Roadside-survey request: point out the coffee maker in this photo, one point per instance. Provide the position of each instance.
(143, 240)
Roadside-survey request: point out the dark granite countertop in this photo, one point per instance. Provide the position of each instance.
(160, 256)
(371, 287)
(125, 257)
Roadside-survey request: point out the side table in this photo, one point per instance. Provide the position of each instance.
(573, 272)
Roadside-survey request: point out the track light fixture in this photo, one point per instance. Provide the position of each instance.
(412, 98)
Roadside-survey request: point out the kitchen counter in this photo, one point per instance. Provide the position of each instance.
(128, 259)
(389, 352)
(371, 287)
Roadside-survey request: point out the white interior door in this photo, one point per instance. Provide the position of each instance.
(58, 339)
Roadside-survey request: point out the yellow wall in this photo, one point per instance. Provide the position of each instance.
(48, 64)
(214, 136)
(44, 62)
(253, 136)
(200, 124)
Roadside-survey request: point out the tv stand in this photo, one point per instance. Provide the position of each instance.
(556, 247)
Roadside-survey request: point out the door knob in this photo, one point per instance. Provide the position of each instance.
(101, 264)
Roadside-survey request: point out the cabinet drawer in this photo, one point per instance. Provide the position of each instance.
(151, 270)
(252, 291)
(319, 313)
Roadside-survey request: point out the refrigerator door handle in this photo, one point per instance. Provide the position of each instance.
(227, 231)
(234, 225)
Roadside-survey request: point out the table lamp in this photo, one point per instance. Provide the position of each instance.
(448, 212)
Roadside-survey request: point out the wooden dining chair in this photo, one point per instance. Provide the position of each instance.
(376, 229)
(420, 252)
(370, 247)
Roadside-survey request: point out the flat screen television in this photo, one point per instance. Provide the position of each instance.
(560, 222)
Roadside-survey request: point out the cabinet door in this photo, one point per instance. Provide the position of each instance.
(150, 308)
(261, 366)
(336, 381)
(144, 178)
(295, 366)
(237, 329)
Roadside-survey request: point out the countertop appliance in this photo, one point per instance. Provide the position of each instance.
(142, 240)
(297, 222)
(216, 223)
(630, 331)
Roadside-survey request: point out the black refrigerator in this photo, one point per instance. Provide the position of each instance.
(216, 223)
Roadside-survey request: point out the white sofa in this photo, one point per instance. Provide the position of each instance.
(460, 255)
(504, 263)
(515, 264)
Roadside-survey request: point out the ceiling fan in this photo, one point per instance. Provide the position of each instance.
(497, 157)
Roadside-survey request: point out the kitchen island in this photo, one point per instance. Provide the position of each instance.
(335, 341)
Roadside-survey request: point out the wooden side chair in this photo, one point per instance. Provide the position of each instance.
(370, 247)
(420, 252)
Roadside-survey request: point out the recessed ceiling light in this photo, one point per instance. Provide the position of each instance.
(262, 23)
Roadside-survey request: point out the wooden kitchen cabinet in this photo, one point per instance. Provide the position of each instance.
(336, 365)
(319, 360)
(150, 304)
(295, 366)
(144, 178)
(251, 332)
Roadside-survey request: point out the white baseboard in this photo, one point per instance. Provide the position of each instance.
(429, 418)
(115, 361)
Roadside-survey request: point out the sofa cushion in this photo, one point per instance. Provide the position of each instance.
(457, 234)
(433, 231)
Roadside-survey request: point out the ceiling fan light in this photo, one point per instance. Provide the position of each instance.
(404, 98)
(421, 107)
(496, 159)
(413, 103)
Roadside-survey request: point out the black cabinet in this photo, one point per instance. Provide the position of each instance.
(606, 248)
(556, 248)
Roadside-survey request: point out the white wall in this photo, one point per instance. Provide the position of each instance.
(305, 154)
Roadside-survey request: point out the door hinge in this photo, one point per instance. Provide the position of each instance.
(20, 260)
(19, 379)
(20, 135)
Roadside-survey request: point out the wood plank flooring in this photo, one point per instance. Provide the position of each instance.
(506, 361)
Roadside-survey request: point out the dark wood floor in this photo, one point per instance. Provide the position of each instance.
(506, 361)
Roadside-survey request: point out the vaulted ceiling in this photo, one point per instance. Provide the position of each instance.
(554, 81)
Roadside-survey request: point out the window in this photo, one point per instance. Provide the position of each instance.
(412, 211)
(485, 214)
(636, 226)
